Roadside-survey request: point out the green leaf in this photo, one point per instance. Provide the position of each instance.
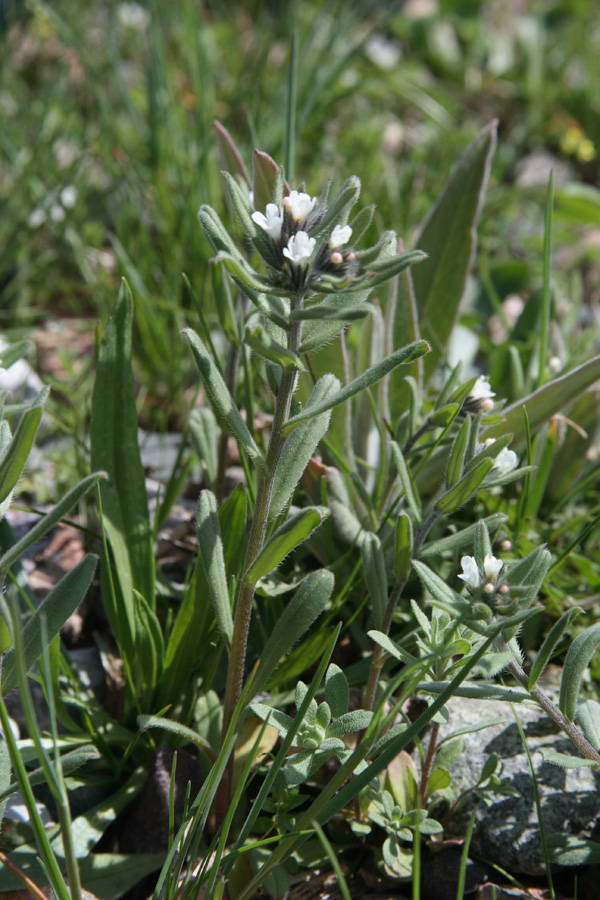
(222, 401)
(188, 734)
(350, 722)
(462, 538)
(287, 537)
(259, 340)
(458, 452)
(114, 440)
(265, 173)
(391, 648)
(568, 850)
(331, 313)
(403, 547)
(230, 157)
(109, 876)
(210, 546)
(15, 458)
(375, 575)
(148, 644)
(588, 719)
(49, 520)
(565, 761)
(204, 434)
(372, 375)
(579, 203)
(402, 324)
(552, 638)
(577, 660)
(307, 604)
(12, 353)
(60, 603)
(545, 402)
(477, 691)
(337, 691)
(69, 762)
(449, 238)
(407, 482)
(436, 586)
(301, 445)
(275, 718)
(465, 489)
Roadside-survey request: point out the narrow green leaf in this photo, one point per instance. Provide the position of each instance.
(565, 761)
(338, 210)
(403, 547)
(114, 440)
(222, 401)
(477, 690)
(259, 340)
(301, 445)
(107, 876)
(375, 575)
(545, 402)
(287, 537)
(391, 648)
(462, 538)
(407, 482)
(69, 762)
(266, 173)
(204, 435)
(465, 489)
(188, 734)
(49, 520)
(15, 458)
(402, 324)
(343, 314)
(60, 603)
(458, 452)
(210, 546)
(436, 586)
(588, 719)
(449, 238)
(12, 353)
(569, 850)
(230, 157)
(307, 604)
(372, 375)
(576, 662)
(337, 691)
(350, 722)
(552, 638)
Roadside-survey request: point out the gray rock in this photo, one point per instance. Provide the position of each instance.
(507, 832)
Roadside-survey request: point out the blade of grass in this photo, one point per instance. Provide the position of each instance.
(546, 297)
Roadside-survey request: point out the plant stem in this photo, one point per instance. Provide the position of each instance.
(554, 712)
(231, 376)
(429, 760)
(258, 530)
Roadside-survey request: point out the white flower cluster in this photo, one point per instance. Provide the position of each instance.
(55, 207)
(471, 575)
(297, 206)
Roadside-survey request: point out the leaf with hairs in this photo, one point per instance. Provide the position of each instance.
(288, 536)
(576, 662)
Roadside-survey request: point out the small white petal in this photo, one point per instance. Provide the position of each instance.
(57, 213)
(68, 196)
(492, 567)
(299, 205)
(36, 217)
(300, 247)
(506, 461)
(470, 571)
(481, 390)
(272, 222)
(340, 235)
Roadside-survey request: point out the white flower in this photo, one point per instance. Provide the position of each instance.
(340, 236)
(481, 390)
(68, 196)
(36, 217)
(57, 213)
(272, 222)
(470, 571)
(492, 567)
(506, 461)
(133, 15)
(299, 248)
(299, 205)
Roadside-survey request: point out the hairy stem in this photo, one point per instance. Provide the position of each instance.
(428, 761)
(256, 540)
(233, 362)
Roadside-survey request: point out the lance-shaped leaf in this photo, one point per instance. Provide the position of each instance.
(371, 376)
(449, 238)
(60, 603)
(69, 763)
(407, 483)
(330, 313)
(297, 529)
(259, 237)
(462, 538)
(384, 270)
(259, 340)
(457, 454)
(337, 691)
(465, 489)
(544, 403)
(577, 660)
(547, 648)
(216, 233)
(438, 588)
(204, 435)
(375, 575)
(565, 761)
(350, 722)
(12, 353)
(222, 401)
(307, 604)
(588, 719)
(145, 722)
(403, 546)
(391, 648)
(230, 157)
(339, 208)
(266, 174)
(15, 457)
(301, 445)
(49, 520)
(210, 546)
(477, 691)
